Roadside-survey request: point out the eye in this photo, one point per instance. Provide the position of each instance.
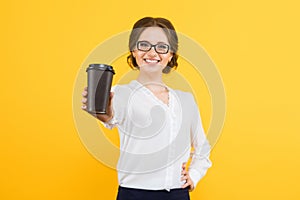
(162, 46)
(144, 44)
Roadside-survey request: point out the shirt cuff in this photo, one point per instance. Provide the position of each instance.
(195, 176)
(111, 123)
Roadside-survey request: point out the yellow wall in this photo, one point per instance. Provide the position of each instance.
(255, 45)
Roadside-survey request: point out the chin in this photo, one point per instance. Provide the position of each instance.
(151, 68)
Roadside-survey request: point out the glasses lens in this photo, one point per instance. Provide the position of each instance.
(143, 46)
(162, 48)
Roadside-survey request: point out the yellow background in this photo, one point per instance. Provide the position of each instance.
(255, 45)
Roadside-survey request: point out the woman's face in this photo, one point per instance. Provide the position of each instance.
(151, 61)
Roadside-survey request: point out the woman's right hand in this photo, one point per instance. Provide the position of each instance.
(102, 117)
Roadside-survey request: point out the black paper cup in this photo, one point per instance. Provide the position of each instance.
(99, 84)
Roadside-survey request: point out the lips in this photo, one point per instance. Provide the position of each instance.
(150, 61)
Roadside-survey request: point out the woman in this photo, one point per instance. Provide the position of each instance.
(157, 125)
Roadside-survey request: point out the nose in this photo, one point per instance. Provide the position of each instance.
(152, 52)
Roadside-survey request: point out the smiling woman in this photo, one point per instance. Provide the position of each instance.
(155, 54)
(158, 126)
(169, 35)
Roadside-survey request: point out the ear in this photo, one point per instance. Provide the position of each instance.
(170, 58)
(133, 54)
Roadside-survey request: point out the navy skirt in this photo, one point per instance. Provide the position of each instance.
(141, 194)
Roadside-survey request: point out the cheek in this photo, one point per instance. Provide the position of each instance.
(167, 58)
(135, 53)
(138, 56)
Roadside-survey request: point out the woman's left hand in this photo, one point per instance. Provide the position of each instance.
(185, 176)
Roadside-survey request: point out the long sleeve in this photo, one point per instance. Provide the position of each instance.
(200, 157)
(110, 124)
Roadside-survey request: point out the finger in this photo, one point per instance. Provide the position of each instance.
(84, 100)
(85, 89)
(186, 185)
(83, 107)
(184, 178)
(184, 165)
(183, 172)
(191, 188)
(111, 95)
(110, 109)
(84, 93)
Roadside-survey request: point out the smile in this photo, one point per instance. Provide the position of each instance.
(151, 60)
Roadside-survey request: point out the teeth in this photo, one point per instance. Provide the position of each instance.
(151, 61)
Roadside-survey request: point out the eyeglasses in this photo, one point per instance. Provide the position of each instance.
(160, 48)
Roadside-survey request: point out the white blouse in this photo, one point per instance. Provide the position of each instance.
(156, 138)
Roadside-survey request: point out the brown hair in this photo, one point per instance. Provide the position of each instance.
(170, 32)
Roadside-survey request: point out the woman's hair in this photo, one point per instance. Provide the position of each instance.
(170, 32)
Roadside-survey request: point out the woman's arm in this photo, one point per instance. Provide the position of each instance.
(200, 156)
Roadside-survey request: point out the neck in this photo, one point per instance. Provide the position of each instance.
(152, 81)
(149, 78)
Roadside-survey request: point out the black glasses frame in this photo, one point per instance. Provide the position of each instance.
(152, 45)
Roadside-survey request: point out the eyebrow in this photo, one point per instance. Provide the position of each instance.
(159, 42)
